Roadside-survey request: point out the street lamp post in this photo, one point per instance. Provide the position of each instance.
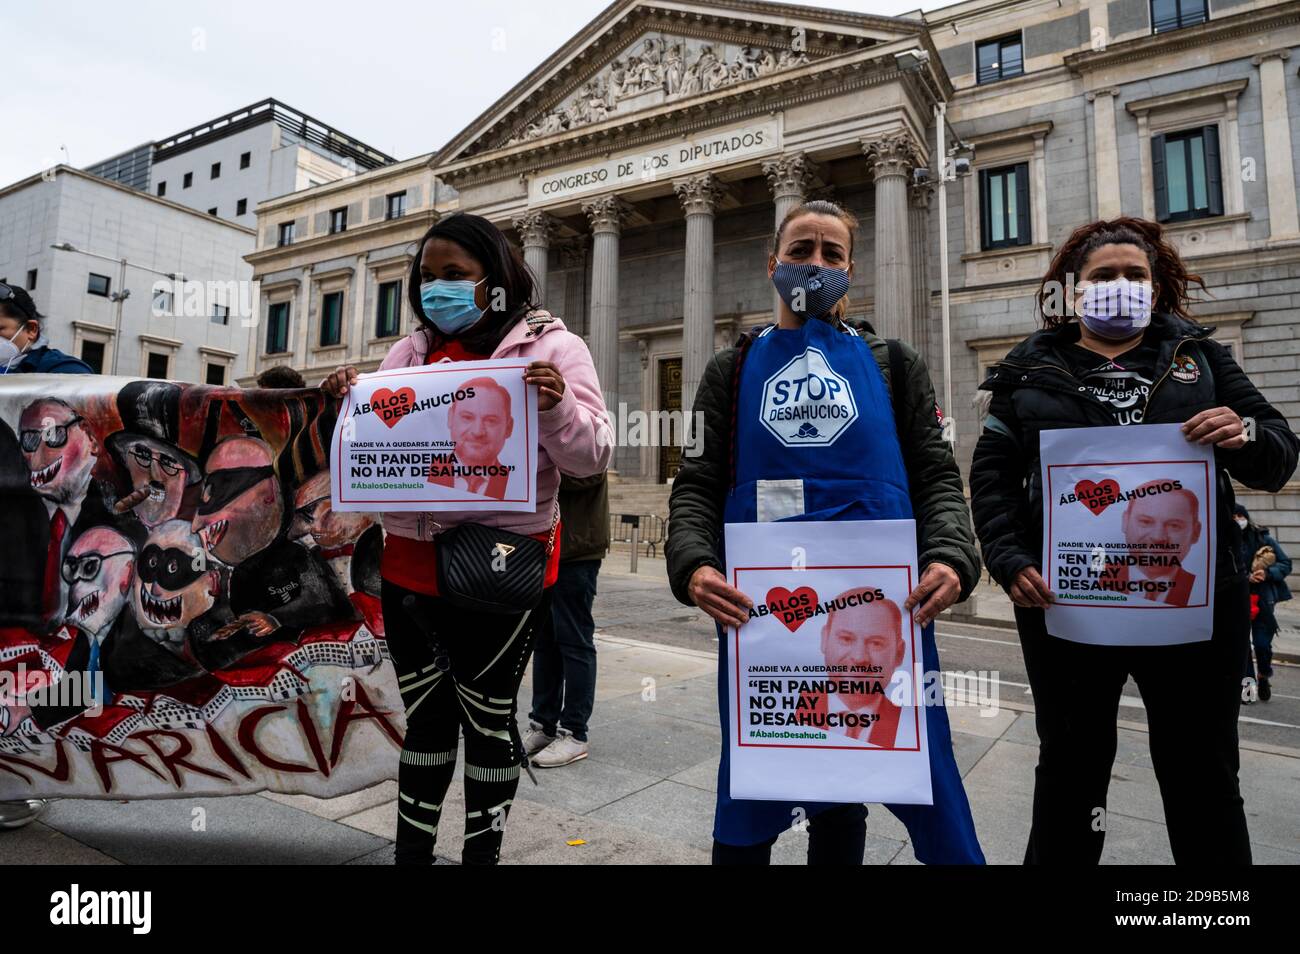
(119, 296)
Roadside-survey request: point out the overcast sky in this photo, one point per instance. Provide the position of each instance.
(99, 78)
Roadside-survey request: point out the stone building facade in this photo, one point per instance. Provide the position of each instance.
(643, 167)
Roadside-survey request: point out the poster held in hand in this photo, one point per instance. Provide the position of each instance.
(453, 436)
(825, 682)
(1128, 535)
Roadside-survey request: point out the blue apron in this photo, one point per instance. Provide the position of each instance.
(810, 431)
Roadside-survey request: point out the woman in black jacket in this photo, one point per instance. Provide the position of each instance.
(1145, 362)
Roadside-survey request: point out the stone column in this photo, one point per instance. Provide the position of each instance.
(1105, 163)
(536, 229)
(790, 178)
(892, 159)
(919, 334)
(699, 196)
(1282, 217)
(606, 215)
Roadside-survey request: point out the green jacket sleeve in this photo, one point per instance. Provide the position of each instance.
(943, 526)
(695, 506)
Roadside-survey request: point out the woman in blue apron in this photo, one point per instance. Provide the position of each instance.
(751, 472)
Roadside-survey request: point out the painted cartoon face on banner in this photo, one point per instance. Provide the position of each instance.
(807, 403)
(240, 509)
(316, 523)
(176, 581)
(60, 453)
(98, 570)
(147, 542)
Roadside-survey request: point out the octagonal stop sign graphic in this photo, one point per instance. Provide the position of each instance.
(807, 403)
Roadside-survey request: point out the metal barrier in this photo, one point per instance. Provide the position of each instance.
(638, 529)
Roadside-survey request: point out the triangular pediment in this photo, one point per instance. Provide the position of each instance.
(639, 55)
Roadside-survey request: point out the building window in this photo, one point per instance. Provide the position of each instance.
(212, 211)
(1175, 14)
(1004, 206)
(245, 159)
(156, 366)
(396, 205)
(241, 206)
(216, 171)
(389, 316)
(31, 279)
(220, 314)
(92, 352)
(1000, 59)
(338, 220)
(277, 328)
(162, 304)
(286, 233)
(1188, 180)
(162, 189)
(331, 319)
(188, 180)
(215, 374)
(98, 285)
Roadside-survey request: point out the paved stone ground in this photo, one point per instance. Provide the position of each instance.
(645, 795)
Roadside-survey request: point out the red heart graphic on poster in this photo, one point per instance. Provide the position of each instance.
(1097, 497)
(779, 599)
(387, 405)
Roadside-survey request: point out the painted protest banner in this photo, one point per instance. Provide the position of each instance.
(825, 677)
(1128, 535)
(454, 436)
(182, 612)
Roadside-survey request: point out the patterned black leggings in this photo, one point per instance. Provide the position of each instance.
(487, 653)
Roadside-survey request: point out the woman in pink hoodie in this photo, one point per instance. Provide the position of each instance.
(460, 669)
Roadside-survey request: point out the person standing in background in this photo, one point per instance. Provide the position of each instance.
(25, 349)
(1269, 567)
(564, 660)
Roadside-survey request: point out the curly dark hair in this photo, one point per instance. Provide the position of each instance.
(1171, 276)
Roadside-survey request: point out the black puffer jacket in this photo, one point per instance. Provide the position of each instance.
(700, 488)
(1033, 391)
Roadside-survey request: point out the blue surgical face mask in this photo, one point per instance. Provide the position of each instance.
(810, 291)
(450, 305)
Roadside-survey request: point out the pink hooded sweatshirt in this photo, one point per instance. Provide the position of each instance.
(575, 436)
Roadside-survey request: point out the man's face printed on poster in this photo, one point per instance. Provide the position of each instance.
(176, 582)
(157, 466)
(866, 639)
(59, 449)
(316, 523)
(480, 425)
(239, 510)
(1166, 523)
(98, 569)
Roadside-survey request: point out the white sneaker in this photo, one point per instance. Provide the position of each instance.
(20, 813)
(565, 750)
(1249, 691)
(535, 739)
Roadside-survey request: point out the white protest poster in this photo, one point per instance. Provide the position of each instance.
(1128, 535)
(453, 436)
(825, 676)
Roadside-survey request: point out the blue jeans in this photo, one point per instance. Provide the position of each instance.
(564, 658)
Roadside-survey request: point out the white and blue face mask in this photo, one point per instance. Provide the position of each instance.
(1117, 309)
(810, 291)
(450, 305)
